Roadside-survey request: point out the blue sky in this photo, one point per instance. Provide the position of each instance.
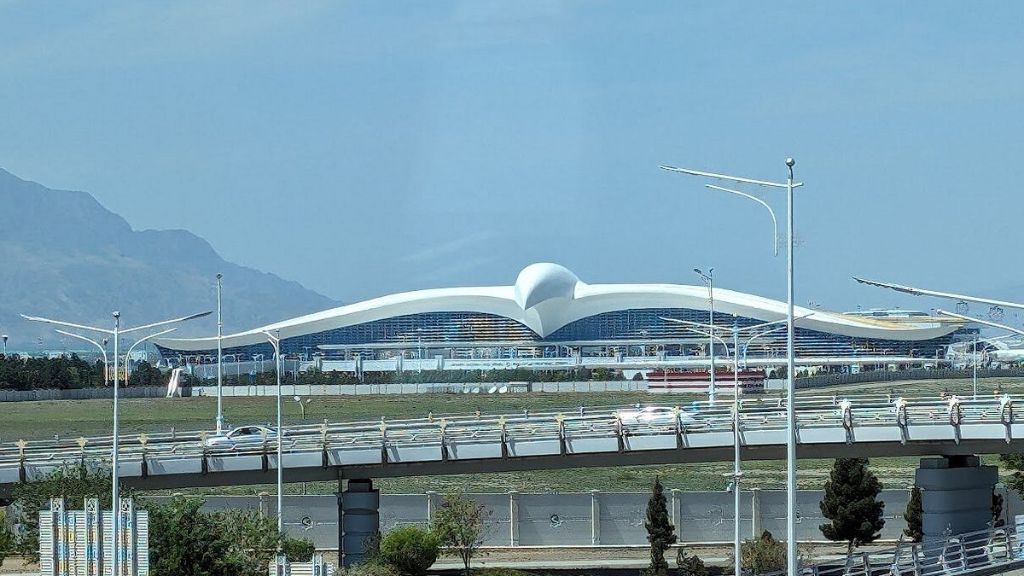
(363, 148)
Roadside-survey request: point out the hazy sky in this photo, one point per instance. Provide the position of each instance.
(363, 148)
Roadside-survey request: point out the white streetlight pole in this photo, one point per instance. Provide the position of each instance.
(709, 278)
(789, 186)
(116, 333)
(275, 341)
(220, 361)
(5, 344)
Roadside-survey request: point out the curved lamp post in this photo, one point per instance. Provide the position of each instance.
(128, 355)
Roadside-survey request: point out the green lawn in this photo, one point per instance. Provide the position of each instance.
(89, 417)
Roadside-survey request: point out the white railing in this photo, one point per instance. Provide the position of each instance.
(963, 554)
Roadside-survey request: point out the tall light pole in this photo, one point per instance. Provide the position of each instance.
(737, 473)
(220, 361)
(5, 344)
(975, 358)
(116, 333)
(789, 186)
(709, 278)
(275, 341)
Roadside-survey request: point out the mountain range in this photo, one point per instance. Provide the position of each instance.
(65, 256)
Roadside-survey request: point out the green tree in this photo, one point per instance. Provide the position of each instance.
(851, 504)
(73, 482)
(912, 515)
(410, 550)
(184, 541)
(459, 523)
(1015, 464)
(6, 537)
(660, 532)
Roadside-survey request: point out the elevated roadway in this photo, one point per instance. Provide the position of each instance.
(601, 436)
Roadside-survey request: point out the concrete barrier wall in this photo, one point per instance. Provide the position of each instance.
(584, 519)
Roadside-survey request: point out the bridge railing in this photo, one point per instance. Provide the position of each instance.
(961, 554)
(594, 422)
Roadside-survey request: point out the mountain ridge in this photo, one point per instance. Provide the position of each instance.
(64, 255)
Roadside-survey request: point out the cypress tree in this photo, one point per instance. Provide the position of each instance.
(997, 510)
(851, 504)
(914, 529)
(660, 532)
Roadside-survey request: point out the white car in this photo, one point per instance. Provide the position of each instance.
(242, 436)
(654, 415)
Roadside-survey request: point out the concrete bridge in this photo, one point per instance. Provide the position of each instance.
(957, 489)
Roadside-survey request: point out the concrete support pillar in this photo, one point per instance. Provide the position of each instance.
(595, 517)
(674, 512)
(956, 495)
(431, 506)
(755, 513)
(513, 518)
(358, 520)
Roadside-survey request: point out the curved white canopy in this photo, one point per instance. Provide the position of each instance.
(548, 296)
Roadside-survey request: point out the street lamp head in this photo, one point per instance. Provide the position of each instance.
(219, 275)
(117, 314)
(697, 270)
(105, 341)
(790, 162)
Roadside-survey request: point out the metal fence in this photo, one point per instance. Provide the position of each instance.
(586, 519)
(84, 393)
(899, 375)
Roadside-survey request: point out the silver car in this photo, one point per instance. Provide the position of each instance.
(654, 415)
(242, 436)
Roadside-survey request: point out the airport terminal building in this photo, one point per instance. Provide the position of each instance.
(549, 313)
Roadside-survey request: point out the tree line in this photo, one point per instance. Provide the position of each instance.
(67, 372)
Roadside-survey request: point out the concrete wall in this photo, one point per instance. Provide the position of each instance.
(569, 519)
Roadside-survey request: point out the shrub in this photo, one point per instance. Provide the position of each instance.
(690, 565)
(410, 550)
(298, 549)
(765, 554)
(372, 568)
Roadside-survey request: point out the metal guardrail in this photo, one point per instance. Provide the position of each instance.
(688, 423)
(985, 551)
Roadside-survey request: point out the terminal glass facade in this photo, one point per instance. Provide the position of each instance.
(632, 332)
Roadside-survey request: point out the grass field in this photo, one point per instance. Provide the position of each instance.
(37, 420)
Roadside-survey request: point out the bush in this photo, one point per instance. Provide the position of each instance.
(371, 569)
(298, 549)
(690, 565)
(410, 550)
(766, 554)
